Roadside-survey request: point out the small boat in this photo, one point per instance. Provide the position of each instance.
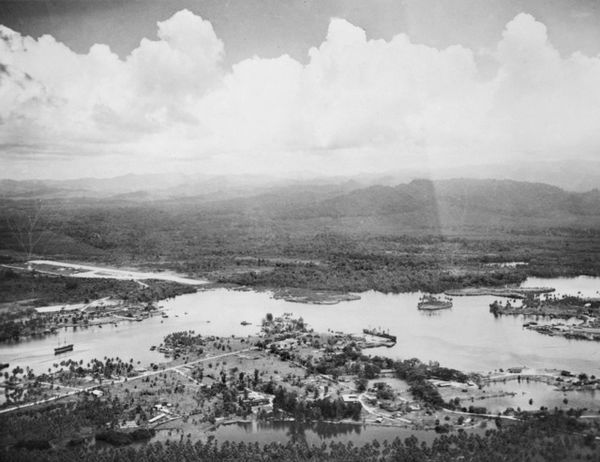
(432, 303)
(164, 315)
(63, 349)
(4, 366)
(245, 323)
(153, 347)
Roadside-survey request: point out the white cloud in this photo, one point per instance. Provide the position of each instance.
(357, 104)
(543, 102)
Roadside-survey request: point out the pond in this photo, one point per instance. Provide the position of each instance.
(317, 433)
(529, 396)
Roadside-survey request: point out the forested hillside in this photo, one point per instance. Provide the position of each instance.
(420, 235)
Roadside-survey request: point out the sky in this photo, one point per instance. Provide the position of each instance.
(103, 88)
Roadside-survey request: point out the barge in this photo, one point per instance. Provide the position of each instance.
(63, 349)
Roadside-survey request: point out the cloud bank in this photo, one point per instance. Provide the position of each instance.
(356, 105)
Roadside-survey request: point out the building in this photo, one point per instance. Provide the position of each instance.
(156, 418)
(255, 398)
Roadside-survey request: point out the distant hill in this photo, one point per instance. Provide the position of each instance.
(494, 196)
(152, 187)
(443, 204)
(436, 205)
(281, 219)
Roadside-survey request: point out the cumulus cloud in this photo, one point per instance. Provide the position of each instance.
(543, 102)
(357, 104)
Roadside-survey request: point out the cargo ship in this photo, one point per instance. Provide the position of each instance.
(63, 349)
(431, 303)
(380, 333)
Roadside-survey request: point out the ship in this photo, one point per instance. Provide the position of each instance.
(63, 349)
(432, 303)
(380, 333)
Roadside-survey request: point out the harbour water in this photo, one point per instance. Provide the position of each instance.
(466, 337)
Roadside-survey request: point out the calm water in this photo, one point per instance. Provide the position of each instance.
(315, 433)
(541, 394)
(466, 337)
(586, 286)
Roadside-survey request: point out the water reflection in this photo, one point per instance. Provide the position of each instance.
(529, 395)
(315, 432)
(295, 431)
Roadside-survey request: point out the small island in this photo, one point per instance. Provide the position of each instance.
(567, 316)
(314, 297)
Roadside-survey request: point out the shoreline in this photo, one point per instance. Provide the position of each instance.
(508, 292)
(153, 389)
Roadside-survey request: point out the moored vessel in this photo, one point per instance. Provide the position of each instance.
(63, 349)
(380, 333)
(432, 303)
